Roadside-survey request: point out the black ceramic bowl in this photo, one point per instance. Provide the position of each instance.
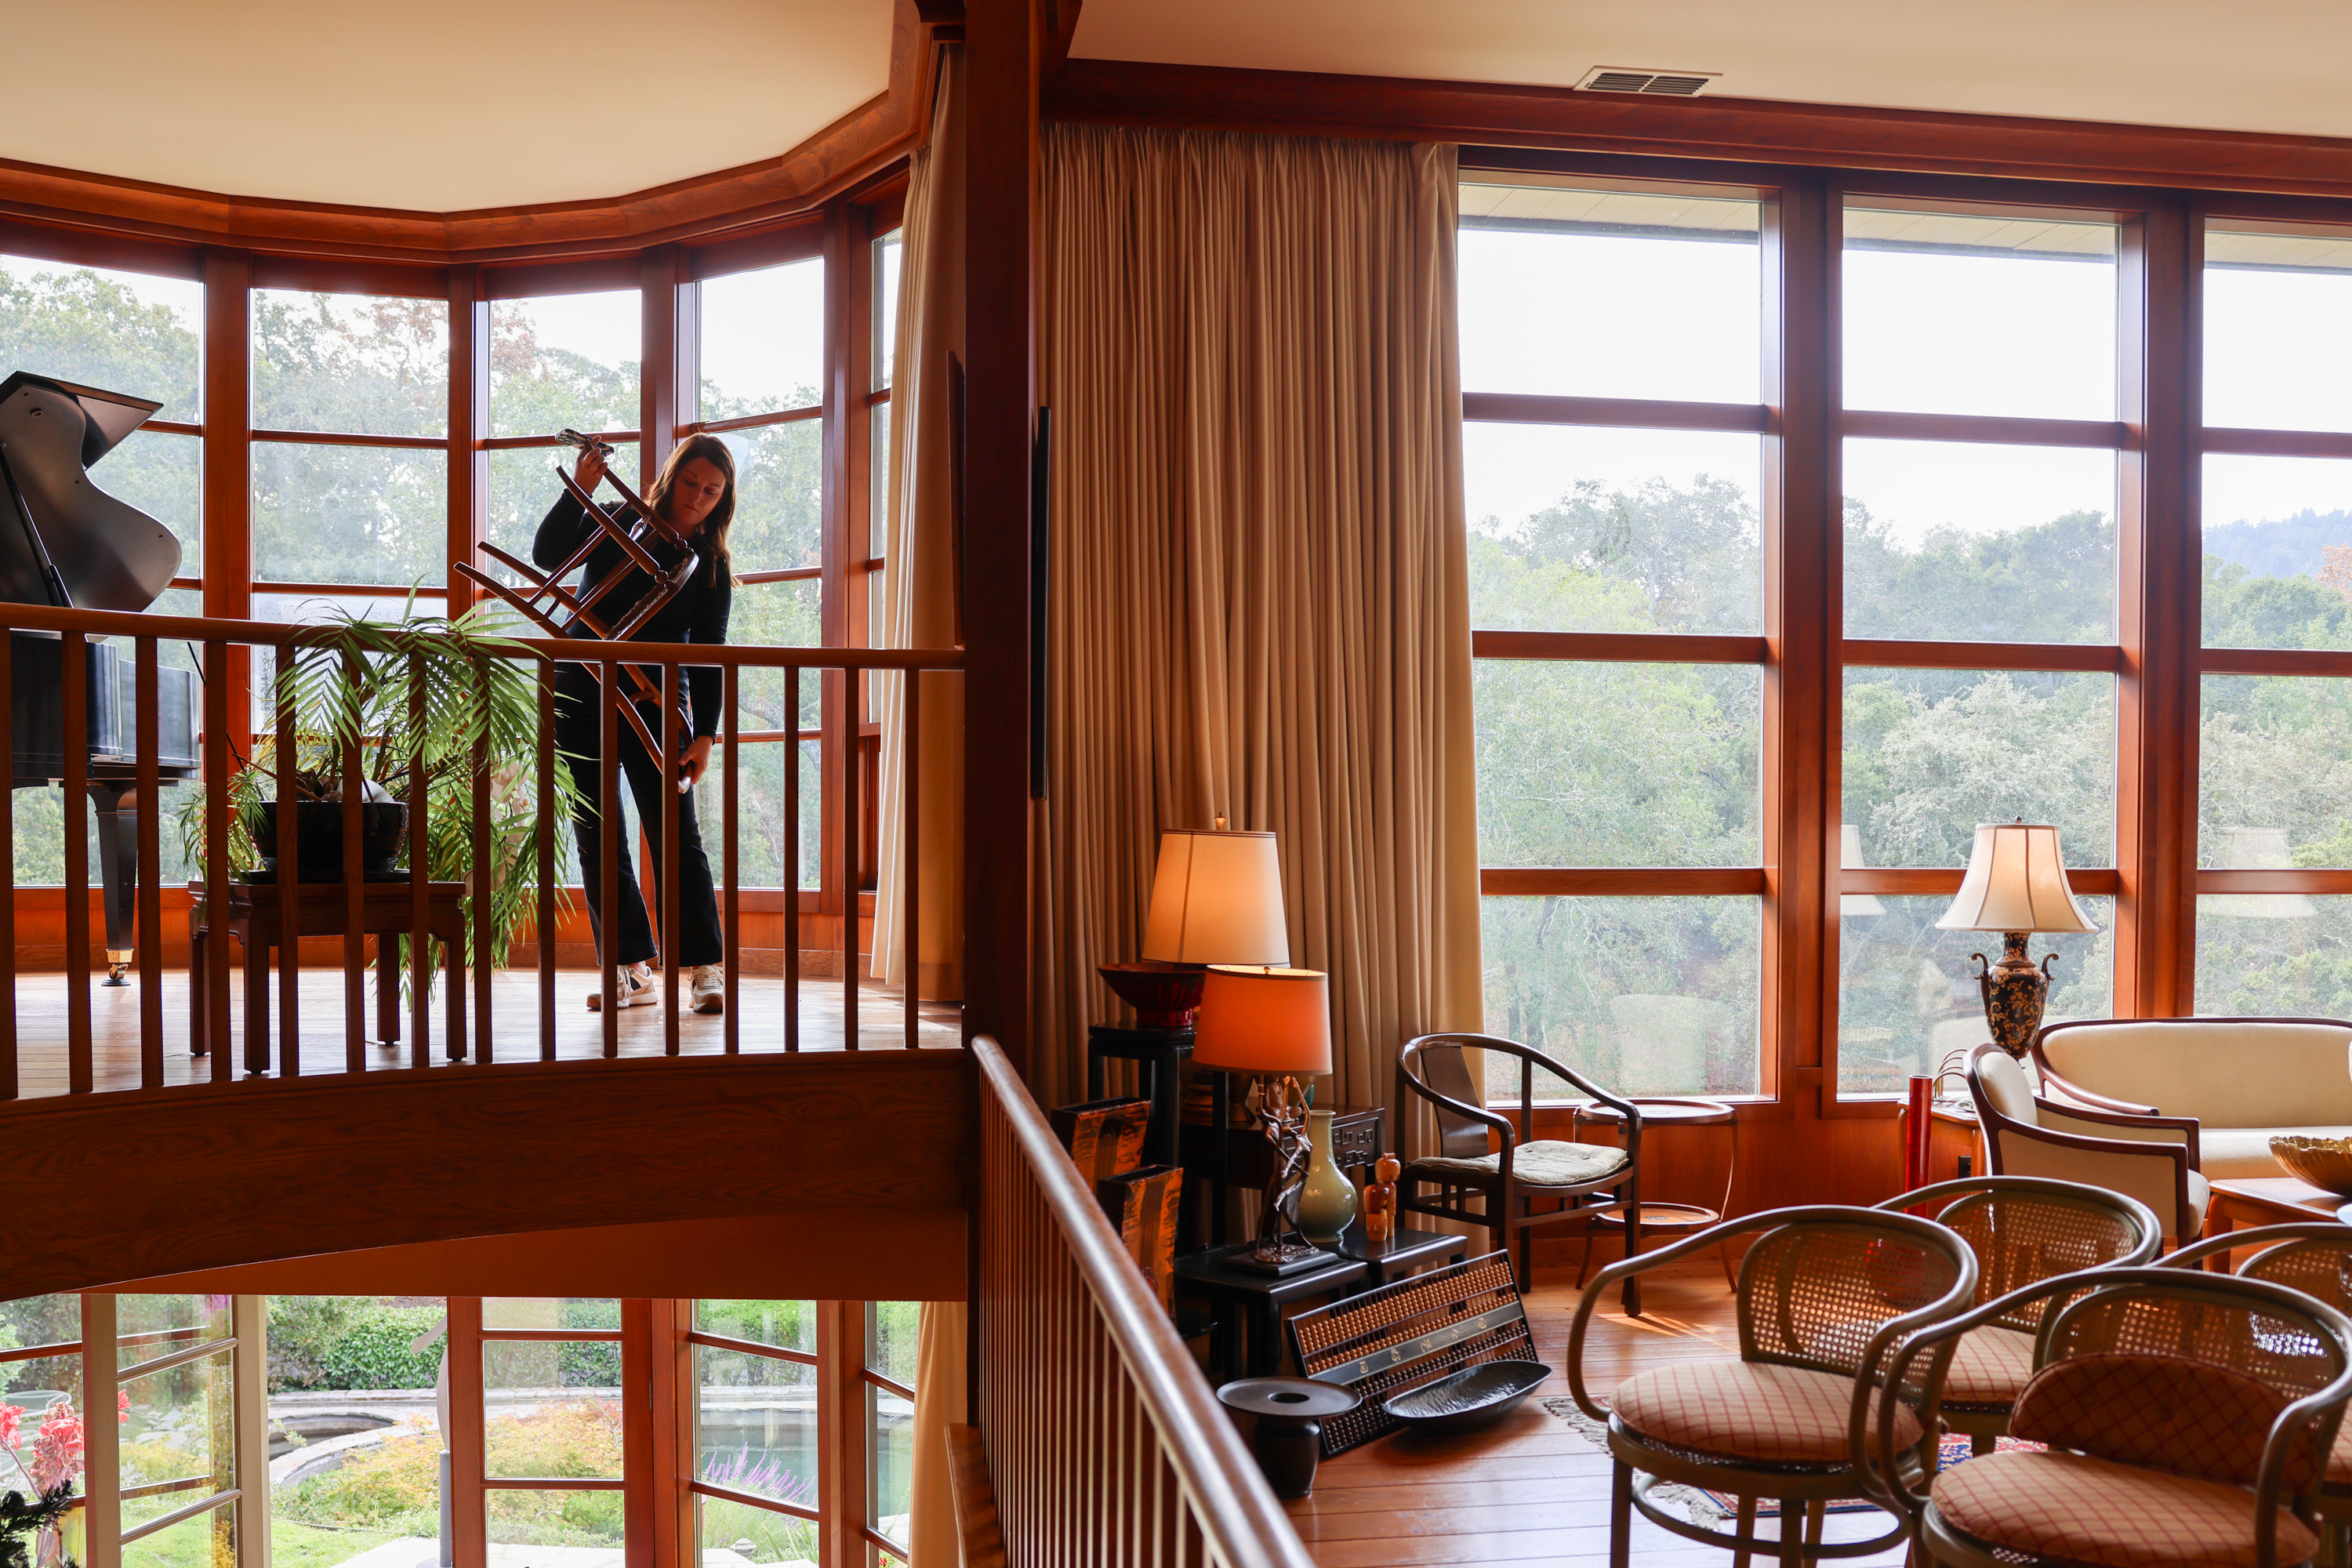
(1469, 1399)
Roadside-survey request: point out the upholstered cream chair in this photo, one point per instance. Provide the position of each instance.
(2185, 1418)
(2244, 1081)
(2152, 1159)
(1824, 1293)
(2023, 1229)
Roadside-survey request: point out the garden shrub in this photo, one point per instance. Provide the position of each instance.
(349, 1342)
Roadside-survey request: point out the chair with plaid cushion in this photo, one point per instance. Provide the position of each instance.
(1824, 1293)
(2024, 1229)
(2315, 1258)
(1523, 1182)
(2187, 1416)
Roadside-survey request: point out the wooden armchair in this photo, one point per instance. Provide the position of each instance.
(2150, 1158)
(1574, 1182)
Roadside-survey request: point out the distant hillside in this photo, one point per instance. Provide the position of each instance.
(2282, 547)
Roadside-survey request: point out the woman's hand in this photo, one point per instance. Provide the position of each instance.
(590, 471)
(693, 763)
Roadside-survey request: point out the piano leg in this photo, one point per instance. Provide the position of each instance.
(117, 869)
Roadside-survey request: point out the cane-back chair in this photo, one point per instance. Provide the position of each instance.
(2023, 1229)
(1525, 1182)
(1824, 1294)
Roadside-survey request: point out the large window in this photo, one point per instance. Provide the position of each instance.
(1613, 467)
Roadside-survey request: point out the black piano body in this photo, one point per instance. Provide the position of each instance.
(65, 542)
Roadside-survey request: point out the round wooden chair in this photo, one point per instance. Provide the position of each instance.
(1824, 1293)
(2187, 1417)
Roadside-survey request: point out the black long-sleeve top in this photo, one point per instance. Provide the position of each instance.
(696, 613)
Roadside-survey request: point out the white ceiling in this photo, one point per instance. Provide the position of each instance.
(2251, 65)
(435, 105)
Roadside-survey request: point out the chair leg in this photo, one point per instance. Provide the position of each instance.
(1584, 1259)
(1982, 1443)
(1793, 1533)
(1816, 1514)
(1746, 1525)
(1634, 1250)
(1620, 1516)
(1723, 1251)
(1527, 1258)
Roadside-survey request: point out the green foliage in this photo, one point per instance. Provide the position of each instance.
(891, 1331)
(349, 1342)
(393, 1489)
(789, 1324)
(773, 1537)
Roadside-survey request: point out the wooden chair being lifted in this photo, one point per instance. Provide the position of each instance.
(548, 602)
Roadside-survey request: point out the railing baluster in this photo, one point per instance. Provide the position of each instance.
(731, 743)
(608, 839)
(8, 1086)
(148, 815)
(420, 881)
(217, 873)
(484, 879)
(290, 876)
(846, 739)
(666, 869)
(354, 893)
(75, 653)
(792, 860)
(910, 944)
(549, 826)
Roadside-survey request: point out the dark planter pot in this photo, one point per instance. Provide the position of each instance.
(319, 839)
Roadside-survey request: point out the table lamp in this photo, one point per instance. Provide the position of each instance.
(1275, 1023)
(1216, 897)
(2016, 884)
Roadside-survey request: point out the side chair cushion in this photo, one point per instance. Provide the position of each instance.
(1541, 1163)
(2078, 1509)
(2189, 1417)
(1754, 1411)
(1991, 1367)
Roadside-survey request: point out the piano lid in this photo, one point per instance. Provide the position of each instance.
(106, 553)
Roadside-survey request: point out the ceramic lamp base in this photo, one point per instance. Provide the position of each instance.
(2014, 992)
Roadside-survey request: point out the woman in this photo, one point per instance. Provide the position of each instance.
(695, 494)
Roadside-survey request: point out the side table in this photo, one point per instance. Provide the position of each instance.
(1404, 1252)
(1159, 1055)
(1221, 1155)
(1660, 1114)
(1251, 1303)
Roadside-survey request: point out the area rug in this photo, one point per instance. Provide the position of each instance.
(1708, 1509)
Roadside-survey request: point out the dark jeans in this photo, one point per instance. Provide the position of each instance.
(579, 734)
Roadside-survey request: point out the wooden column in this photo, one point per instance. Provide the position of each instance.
(103, 1451)
(841, 1433)
(250, 1382)
(468, 1526)
(657, 399)
(228, 468)
(836, 691)
(1000, 153)
(469, 426)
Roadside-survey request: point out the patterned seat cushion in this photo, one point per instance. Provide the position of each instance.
(2083, 1509)
(2189, 1417)
(1752, 1411)
(1542, 1163)
(1991, 1367)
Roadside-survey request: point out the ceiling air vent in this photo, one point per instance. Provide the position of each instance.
(1663, 84)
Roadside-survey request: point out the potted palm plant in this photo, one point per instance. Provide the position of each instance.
(356, 682)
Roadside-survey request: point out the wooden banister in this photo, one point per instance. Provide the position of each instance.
(1105, 1444)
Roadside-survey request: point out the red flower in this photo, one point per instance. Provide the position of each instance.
(10, 1416)
(56, 1448)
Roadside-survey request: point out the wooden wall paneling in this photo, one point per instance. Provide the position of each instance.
(1002, 44)
(469, 426)
(796, 241)
(335, 275)
(467, 1440)
(227, 465)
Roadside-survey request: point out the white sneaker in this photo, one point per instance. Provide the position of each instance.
(633, 986)
(709, 988)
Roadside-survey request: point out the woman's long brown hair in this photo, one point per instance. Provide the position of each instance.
(711, 451)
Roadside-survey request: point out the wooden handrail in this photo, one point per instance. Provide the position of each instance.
(1077, 1359)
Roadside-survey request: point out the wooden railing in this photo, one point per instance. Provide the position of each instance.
(1104, 1445)
(139, 636)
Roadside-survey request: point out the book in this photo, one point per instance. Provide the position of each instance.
(1143, 1205)
(1105, 1137)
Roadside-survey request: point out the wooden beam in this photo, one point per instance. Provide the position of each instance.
(1895, 653)
(1623, 881)
(1636, 648)
(229, 561)
(1989, 429)
(470, 423)
(1639, 412)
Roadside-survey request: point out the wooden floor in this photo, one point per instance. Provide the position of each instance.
(1530, 1488)
(514, 1035)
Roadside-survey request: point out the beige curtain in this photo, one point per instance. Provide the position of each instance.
(1260, 605)
(932, 1539)
(919, 581)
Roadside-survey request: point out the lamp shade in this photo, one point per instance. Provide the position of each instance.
(1216, 898)
(1264, 1020)
(2016, 882)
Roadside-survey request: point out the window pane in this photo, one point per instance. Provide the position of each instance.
(888, 251)
(2278, 551)
(880, 462)
(161, 474)
(207, 1540)
(2278, 331)
(28, 1388)
(350, 514)
(563, 359)
(352, 1500)
(1577, 529)
(518, 1517)
(889, 1460)
(1616, 765)
(763, 340)
(1930, 753)
(1644, 995)
(2273, 955)
(523, 486)
(148, 1326)
(779, 491)
(1952, 542)
(179, 1437)
(2275, 773)
(1908, 994)
(791, 1325)
(891, 1329)
(757, 1535)
(1680, 276)
(784, 614)
(357, 363)
(1947, 314)
(756, 1430)
(552, 1407)
(551, 1313)
(121, 332)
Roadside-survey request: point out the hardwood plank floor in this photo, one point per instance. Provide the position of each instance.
(40, 1001)
(1531, 1488)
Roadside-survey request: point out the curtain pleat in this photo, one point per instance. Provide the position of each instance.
(1258, 580)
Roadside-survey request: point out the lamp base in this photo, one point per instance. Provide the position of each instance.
(1285, 1254)
(2014, 992)
(1164, 996)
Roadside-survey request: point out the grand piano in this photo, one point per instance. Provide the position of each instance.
(66, 543)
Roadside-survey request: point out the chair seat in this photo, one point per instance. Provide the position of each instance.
(1991, 1367)
(2081, 1509)
(1545, 1162)
(1749, 1411)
